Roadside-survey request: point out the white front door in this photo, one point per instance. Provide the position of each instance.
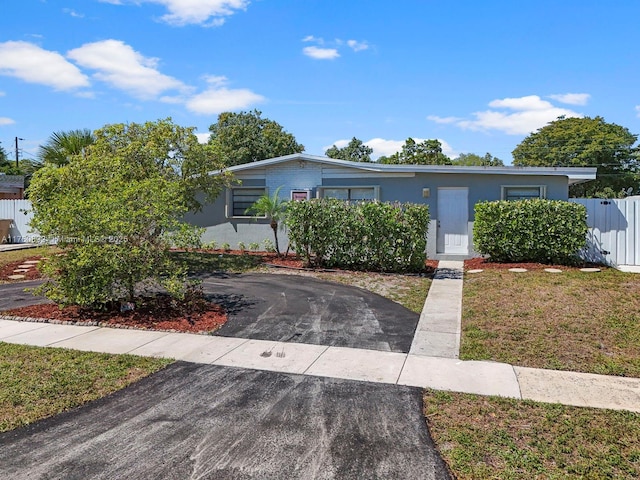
(453, 218)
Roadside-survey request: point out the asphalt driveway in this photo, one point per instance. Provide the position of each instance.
(290, 308)
(211, 422)
(293, 308)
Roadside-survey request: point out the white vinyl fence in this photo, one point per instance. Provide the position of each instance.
(20, 212)
(614, 230)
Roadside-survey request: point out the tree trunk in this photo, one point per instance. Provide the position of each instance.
(274, 226)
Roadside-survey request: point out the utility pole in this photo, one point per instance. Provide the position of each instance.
(17, 154)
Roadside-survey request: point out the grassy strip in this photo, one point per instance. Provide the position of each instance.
(576, 321)
(36, 383)
(22, 254)
(491, 437)
(199, 263)
(407, 290)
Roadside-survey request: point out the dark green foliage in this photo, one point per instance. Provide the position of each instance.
(355, 151)
(585, 142)
(360, 236)
(545, 231)
(238, 138)
(427, 152)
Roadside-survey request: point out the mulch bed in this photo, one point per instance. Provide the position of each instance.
(485, 264)
(157, 315)
(9, 268)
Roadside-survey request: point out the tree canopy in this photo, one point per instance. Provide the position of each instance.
(471, 159)
(245, 137)
(355, 151)
(585, 142)
(117, 208)
(61, 146)
(427, 152)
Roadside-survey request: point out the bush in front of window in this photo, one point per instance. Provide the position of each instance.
(543, 231)
(359, 235)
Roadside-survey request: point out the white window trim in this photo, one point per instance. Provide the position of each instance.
(229, 201)
(320, 189)
(306, 191)
(542, 188)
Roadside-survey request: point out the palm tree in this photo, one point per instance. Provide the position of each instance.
(61, 146)
(273, 208)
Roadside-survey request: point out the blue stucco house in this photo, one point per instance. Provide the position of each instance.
(450, 191)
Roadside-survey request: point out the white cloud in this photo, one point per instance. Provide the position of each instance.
(208, 13)
(383, 147)
(218, 98)
(331, 50)
(33, 64)
(6, 121)
(311, 38)
(120, 66)
(320, 53)
(2, 94)
(513, 116)
(203, 137)
(73, 13)
(572, 98)
(357, 46)
(638, 110)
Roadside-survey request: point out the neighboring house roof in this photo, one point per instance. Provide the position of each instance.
(11, 181)
(574, 174)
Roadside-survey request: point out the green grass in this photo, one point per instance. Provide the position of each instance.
(576, 321)
(36, 383)
(491, 437)
(203, 263)
(22, 254)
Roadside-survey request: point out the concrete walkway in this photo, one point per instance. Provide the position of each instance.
(432, 361)
(438, 331)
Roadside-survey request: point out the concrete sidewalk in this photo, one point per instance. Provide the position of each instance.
(483, 378)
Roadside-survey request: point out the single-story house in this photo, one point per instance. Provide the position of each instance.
(450, 191)
(11, 187)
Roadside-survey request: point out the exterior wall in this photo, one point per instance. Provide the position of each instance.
(305, 175)
(19, 211)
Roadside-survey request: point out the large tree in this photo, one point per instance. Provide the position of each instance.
(246, 137)
(117, 208)
(355, 151)
(471, 159)
(60, 147)
(427, 152)
(585, 142)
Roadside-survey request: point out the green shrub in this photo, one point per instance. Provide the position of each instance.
(363, 235)
(545, 231)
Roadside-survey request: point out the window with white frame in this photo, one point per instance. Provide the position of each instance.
(523, 192)
(241, 198)
(350, 193)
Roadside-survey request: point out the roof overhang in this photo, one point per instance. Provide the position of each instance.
(574, 174)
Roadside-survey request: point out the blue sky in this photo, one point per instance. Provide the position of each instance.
(478, 75)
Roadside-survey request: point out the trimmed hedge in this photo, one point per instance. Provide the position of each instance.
(544, 231)
(359, 236)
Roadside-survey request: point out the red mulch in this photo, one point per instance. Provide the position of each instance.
(483, 263)
(160, 316)
(9, 268)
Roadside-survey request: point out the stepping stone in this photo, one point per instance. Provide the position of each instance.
(21, 270)
(32, 262)
(553, 270)
(518, 270)
(590, 270)
(476, 270)
(16, 277)
(24, 265)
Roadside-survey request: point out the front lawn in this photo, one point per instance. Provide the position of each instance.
(586, 322)
(491, 437)
(36, 383)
